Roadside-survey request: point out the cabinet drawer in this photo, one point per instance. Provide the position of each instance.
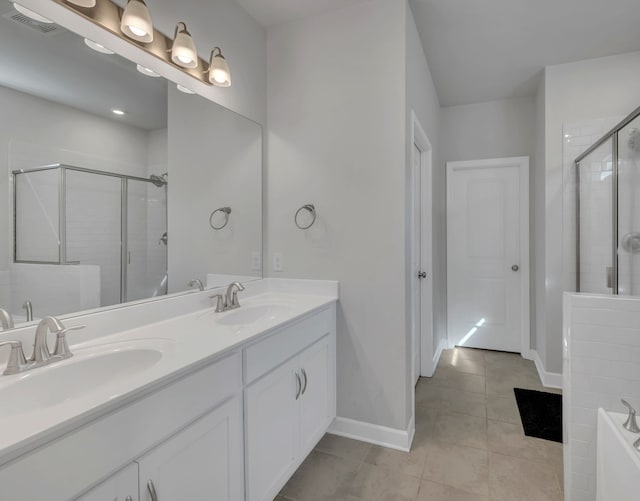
(263, 356)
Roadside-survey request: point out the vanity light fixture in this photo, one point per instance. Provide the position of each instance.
(183, 50)
(136, 21)
(146, 71)
(29, 13)
(219, 73)
(119, 112)
(97, 47)
(83, 3)
(184, 89)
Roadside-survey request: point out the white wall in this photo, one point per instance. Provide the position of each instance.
(421, 98)
(221, 23)
(601, 366)
(494, 129)
(592, 89)
(337, 123)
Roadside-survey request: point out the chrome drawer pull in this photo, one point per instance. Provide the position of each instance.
(152, 490)
(304, 388)
(298, 385)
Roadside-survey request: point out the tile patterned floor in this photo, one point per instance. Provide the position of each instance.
(469, 444)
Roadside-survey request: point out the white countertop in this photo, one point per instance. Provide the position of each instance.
(187, 342)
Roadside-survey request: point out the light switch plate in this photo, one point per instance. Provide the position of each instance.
(255, 261)
(277, 261)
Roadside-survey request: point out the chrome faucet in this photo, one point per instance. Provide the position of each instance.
(229, 300)
(6, 320)
(231, 297)
(29, 307)
(198, 282)
(41, 355)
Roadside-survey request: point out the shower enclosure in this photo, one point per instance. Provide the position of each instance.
(608, 212)
(115, 225)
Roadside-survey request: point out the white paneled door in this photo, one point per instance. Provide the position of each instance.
(488, 254)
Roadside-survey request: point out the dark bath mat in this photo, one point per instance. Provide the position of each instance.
(541, 414)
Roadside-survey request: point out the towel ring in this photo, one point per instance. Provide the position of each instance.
(312, 210)
(226, 211)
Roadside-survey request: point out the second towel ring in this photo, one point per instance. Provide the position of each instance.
(312, 210)
(226, 211)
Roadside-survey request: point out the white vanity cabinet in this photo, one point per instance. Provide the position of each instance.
(204, 461)
(290, 408)
(122, 486)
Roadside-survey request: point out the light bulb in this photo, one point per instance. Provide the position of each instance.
(219, 73)
(183, 50)
(136, 21)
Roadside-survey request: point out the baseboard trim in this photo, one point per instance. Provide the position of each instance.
(391, 438)
(549, 379)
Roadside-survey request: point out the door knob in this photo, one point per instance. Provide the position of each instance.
(422, 274)
(515, 267)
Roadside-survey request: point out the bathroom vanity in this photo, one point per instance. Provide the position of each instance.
(199, 406)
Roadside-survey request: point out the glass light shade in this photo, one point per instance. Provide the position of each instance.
(219, 73)
(136, 22)
(183, 50)
(83, 3)
(29, 13)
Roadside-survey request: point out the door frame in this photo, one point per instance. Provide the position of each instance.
(420, 140)
(522, 163)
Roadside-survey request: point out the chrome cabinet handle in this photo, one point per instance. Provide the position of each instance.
(304, 388)
(422, 274)
(515, 267)
(152, 490)
(298, 385)
(128, 498)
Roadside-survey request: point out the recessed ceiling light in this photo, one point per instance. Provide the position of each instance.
(184, 89)
(97, 47)
(118, 112)
(29, 13)
(146, 71)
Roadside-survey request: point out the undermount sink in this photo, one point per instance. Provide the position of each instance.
(255, 313)
(618, 463)
(69, 379)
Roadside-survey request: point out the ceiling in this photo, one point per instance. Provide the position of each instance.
(59, 67)
(480, 50)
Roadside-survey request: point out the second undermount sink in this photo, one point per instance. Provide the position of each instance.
(69, 379)
(254, 313)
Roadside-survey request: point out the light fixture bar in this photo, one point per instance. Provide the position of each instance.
(108, 15)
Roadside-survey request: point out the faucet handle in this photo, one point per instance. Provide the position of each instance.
(17, 361)
(630, 424)
(220, 303)
(62, 347)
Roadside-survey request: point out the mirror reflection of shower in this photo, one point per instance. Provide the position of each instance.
(608, 212)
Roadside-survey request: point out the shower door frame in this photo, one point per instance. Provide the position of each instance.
(613, 135)
(62, 216)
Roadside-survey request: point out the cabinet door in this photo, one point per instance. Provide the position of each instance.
(317, 401)
(272, 432)
(202, 462)
(122, 486)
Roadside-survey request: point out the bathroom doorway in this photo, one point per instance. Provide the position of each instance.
(488, 254)
(421, 277)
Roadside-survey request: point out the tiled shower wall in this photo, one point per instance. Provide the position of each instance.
(601, 358)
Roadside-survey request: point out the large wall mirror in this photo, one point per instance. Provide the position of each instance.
(116, 185)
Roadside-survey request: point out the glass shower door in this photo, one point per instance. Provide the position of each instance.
(93, 205)
(146, 243)
(629, 209)
(595, 215)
